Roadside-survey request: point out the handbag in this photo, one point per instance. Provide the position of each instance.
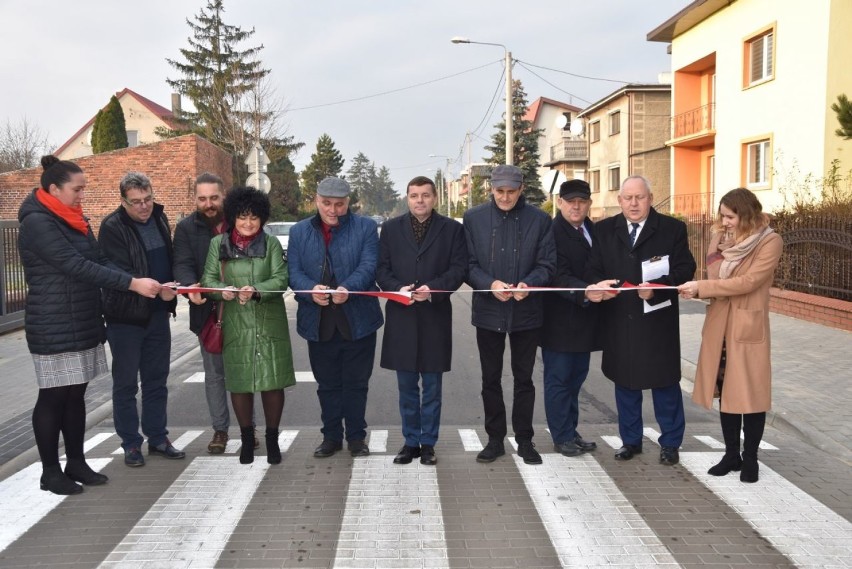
(211, 333)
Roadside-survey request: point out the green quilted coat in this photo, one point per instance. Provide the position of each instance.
(257, 352)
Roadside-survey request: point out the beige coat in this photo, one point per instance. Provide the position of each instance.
(739, 314)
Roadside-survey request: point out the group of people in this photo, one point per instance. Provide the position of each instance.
(122, 286)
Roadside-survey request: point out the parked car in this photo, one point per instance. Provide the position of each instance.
(280, 230)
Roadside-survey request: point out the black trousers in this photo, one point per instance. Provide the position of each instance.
(523, 346)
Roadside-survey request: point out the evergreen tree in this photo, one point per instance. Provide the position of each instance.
(843, 108)
(361, 177)
(326, 161)
(525, 145)
(109, 132)
(284, 195)
(384, 194)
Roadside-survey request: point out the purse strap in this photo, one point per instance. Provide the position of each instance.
(220, 303)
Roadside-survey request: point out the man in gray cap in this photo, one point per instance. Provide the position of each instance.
(332, 253)
(510, 245)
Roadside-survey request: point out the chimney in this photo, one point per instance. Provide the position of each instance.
(176, 104)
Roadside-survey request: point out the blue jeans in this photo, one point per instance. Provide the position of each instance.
(140, 354)
(668, 410)
(564, 374)
(420, 419)
(342, 369)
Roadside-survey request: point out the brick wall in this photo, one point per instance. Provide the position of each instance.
(171, 164)
(826, 311)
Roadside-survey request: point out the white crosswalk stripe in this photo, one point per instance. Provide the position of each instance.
(378, 440)
(92, 443)
(470, 440)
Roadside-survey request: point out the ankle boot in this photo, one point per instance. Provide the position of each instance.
(247, 450)
(731, 462)
(54, 480)
(78, 471)
(273, 451)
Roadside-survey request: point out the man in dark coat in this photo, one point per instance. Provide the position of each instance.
(509, 246)
(419, 252)
(570, 330)
(641, 340)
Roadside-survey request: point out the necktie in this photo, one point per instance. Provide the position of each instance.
(633, 233)
(582, 232)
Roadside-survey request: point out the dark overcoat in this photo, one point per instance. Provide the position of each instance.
(419, 337)
(570, 321)
(641, 350)
(191, 243)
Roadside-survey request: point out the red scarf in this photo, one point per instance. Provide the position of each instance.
(73, 216)
(242, 241)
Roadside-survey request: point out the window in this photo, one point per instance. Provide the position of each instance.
(614, 177)
(595, 180)
(758, 156)
(614, 123)
(759, 58)
(595, 131)
(132, 138)
(567, 127)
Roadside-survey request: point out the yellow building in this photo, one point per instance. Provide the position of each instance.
(752, 87)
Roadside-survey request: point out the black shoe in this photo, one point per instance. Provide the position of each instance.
(526, 450)
(568, 449)
(327, 448)
(247, 440)
(492, 450)
(166, 450)
(750, 469)
(78, 471)
(729, 463)
(133, 457)
(358, 448)
(427, 455)
(627, 452)
(584, 445)
(406, 454)
(273, 451)
(54, 480)
(669, 456)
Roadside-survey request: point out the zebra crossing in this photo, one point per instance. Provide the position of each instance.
(368, 512)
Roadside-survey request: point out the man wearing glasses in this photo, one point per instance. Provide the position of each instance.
(137, 239)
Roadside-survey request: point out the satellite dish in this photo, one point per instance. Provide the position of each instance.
(577, 127)
(561, 121)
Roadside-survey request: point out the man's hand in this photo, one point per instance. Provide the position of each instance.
(497, 288)
(601, 291)
(167, 291)
(645, 291)
(521, 295)
(340, 295)
(196, 297)
(423, 292)
(321, 298)
(145, 287)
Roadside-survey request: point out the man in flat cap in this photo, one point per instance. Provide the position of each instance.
(509, 246)
(570, 331)
(332, 253)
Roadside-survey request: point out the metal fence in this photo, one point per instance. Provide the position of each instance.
(13, 286)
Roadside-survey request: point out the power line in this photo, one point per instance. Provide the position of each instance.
(552, 85)
(573, 74)
(391, 91)
(491, 106)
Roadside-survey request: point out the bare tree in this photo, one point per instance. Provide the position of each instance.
(21, 145)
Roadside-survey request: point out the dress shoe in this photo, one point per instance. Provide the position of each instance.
(327, 448)
(133, 457)
(427, 455)
(585, 445)
(526, 450)
(568, 449)
(492, 450)
(358, 448)
(54, 480)
(627, 452)
(78, 471)
(729, 463)
(669, 456)
(406, 454)
(166, 450)
(218, 443)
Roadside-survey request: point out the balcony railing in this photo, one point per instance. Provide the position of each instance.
(570, 151)
(695, 121)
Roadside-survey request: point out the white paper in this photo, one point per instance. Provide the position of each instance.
(652, 269)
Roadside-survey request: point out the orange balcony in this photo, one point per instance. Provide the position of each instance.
(696, 127)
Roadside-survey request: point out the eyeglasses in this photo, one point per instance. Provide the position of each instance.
(139, 203)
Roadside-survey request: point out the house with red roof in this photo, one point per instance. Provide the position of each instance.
(562, 150)
(142, 117)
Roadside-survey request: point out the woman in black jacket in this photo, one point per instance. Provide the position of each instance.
(65, 271)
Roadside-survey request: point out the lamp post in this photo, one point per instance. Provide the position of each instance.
(444, 183)
(510, 134)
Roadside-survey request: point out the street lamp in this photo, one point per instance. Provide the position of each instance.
(444, 184)
(510, 134)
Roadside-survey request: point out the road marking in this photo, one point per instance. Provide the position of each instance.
(614, 442)
(584, 512)
(305, 376)
(25, 504)
(470, 440)
(92, 443)
(808, 533)
(233, 446)
(193, 520)
(709, 441)
(378, 441)
(197, 377)
(763, 444)
(285, 439)
(386, 522)
(185, 439)
(652, 434)
(513, 442)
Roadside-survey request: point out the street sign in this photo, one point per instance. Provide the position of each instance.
(260, 181)
(257, 160)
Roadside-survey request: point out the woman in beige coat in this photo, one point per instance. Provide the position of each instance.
(734, 361)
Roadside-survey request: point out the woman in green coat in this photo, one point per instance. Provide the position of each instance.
(256, 352)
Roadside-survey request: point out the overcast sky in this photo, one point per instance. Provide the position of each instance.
(61, 61)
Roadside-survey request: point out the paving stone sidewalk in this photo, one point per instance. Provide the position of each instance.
(811, 376)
